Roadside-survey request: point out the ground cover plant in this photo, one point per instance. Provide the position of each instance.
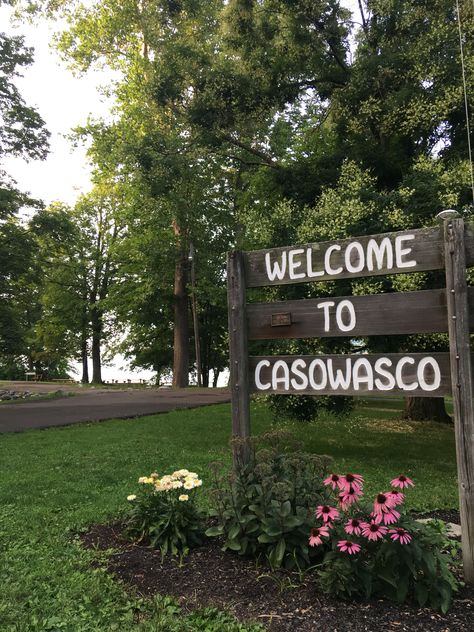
(56, 483)
(263, 506)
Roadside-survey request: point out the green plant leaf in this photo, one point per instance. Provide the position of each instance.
(421, 593)
(264, 538)
(280, 550)
(233, 545)
(234, 531)
(213, 531)
(388, 577)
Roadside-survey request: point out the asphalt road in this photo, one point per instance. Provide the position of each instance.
(101, 405)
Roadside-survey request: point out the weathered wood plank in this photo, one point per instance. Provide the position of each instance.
(419, 312)
(459, 316)
(388, 253)
(238, 349)
(413, 374)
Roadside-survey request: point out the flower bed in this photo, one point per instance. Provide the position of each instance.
(278, 600)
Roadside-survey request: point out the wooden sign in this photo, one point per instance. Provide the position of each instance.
(422, 312)
(390, 253)
(423, 375)
(415, 374)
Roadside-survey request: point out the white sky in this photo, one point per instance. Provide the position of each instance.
(63, 101)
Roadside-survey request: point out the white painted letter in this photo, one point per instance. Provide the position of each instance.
(324, 375)
(390, 384)
(420, 373)
(352, 316)
(379, 252)
(398, 374)
(258, 368)
(327, 262)
(295, 369)
(338, 379)
(401, 252)
(357, 267)
(309, 265)
(367, 376)
(292, 264)
(278, 271)
(326, 305)
(285, 378)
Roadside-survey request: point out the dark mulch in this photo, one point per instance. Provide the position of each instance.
(448, 515)
(210, 577)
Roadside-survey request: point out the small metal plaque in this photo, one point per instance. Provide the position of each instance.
(282, 319)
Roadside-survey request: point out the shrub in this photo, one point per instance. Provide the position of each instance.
(379, 549)
(306, 407)
(264, 507)
(163, 513)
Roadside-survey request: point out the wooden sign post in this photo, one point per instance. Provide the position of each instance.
(461, 376)
(417, 374)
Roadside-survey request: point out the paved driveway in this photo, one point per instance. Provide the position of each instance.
(101, 405)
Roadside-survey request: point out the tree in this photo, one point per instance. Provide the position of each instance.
(299, 137)
(22, 133)
(153, 143)
(77, 249)
(397, 114)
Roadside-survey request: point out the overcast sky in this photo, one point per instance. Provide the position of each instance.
(63, 101)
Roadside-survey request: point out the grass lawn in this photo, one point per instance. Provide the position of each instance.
(54, 482)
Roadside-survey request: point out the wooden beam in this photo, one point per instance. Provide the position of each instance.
(461, 375)
(238, 349)
(413, 374)
(396, 313)
(374, 255)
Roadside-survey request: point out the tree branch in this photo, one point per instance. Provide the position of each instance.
(267, 160)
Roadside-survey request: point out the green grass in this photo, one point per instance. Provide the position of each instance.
(54, 482)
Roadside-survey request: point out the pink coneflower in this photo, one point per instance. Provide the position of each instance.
(347, 497)
(353, 527)
(402, 481)
(396, 497)
(347, 545)
(390, 517)
(373, 531)
(382, 503)
(316, 534)
(326, 513)
(401, 535)
(352, 480)
(334, 480)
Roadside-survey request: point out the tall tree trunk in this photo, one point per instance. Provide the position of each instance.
(426, 409)
(205, 375)
(85, 367)
(181, 325)
(215, 378)
(96, 322)
(84, 336)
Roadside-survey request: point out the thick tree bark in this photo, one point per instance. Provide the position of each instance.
(96, 322)
(84, 340)
(426, 409)
(215, 378)
(85, 367)
(181, 325)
